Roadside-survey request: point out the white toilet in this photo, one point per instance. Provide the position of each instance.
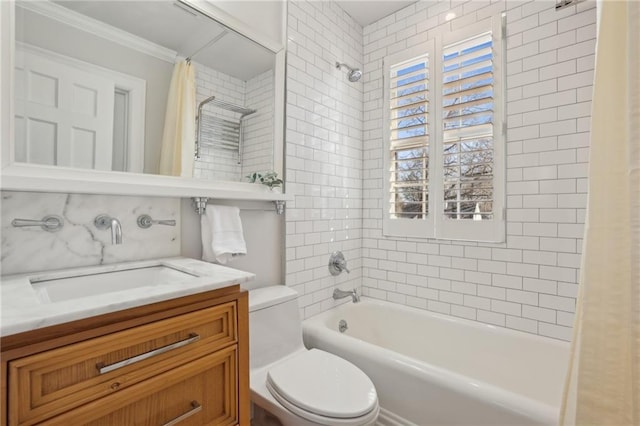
(298, 386)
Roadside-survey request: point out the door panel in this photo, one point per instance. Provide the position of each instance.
(64, 116)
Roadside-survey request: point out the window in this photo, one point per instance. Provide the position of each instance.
(444, 138)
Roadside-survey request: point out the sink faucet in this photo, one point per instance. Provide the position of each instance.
(339, 294)
(104, 221)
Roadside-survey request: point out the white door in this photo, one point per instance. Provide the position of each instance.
(64, 116)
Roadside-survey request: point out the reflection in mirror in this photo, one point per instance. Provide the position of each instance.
(92, 88)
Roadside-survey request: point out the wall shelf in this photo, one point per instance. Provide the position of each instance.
(30, 178)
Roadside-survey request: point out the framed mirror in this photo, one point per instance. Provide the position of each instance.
(95, 91)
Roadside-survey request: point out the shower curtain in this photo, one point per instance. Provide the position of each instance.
(178, 138)
(603, 382)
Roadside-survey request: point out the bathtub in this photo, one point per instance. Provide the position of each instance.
(432, 369)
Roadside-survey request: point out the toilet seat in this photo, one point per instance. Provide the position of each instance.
(324, 389)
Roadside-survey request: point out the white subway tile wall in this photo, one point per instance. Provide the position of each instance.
(257, 152)
(334, 152)
(323, 152)
(217, 163)
(528, 283)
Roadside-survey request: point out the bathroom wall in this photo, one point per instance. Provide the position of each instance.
(79, 242)
(257, 152)
(263, 233)
(216, 163)
(528, 283)
(323, 151)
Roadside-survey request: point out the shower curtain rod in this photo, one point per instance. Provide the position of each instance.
(209, 43)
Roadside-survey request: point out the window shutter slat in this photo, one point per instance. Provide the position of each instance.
(417, 75)
(409, 120)
(465, 71)
(474, 53)
(468, 132)
(462, 119)
(467, 81)
(410, 100)
(466, 45)
(406, 143)
(416, 89)
(471, 94)
(467, 104)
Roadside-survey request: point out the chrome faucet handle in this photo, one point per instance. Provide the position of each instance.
(145, 221)
(337, 263)
(50, 223)
(343, 265)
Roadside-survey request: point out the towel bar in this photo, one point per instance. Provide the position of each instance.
(200, 205)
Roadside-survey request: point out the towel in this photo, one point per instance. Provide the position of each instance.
(222, 237)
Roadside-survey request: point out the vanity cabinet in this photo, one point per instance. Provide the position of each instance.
(183, 361)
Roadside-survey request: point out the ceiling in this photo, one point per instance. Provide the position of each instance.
(365, 12)
(182, 29)
(177, 27)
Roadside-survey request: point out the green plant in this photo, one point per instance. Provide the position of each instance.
(268, 178)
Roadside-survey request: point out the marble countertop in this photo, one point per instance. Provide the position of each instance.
(24, 309)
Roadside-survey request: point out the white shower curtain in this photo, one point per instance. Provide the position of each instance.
(178, 138)
(603, 383)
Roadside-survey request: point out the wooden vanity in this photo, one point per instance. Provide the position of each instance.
(182, 362)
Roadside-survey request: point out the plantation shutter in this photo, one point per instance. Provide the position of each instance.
(468, 128)
(444, 126)
(409, 139)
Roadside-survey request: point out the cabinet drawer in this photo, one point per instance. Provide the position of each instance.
(202, 392)
(58, 380)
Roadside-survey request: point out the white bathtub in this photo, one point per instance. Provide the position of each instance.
(432, 369)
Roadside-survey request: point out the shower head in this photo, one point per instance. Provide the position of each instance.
(354, 74)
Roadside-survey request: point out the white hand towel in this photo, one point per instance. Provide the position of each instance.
(222, 236)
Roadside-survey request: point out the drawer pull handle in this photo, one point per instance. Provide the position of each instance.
(195, 409)
(107, 368)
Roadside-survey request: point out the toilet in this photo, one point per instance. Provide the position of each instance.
(301, 387)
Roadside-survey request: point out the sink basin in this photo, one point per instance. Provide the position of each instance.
(60, 289)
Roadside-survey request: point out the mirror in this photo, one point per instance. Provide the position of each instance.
(92, 81)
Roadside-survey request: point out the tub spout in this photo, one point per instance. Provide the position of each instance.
(339, 294)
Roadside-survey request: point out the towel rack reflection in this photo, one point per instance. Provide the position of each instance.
(221, 132)
(200, 205)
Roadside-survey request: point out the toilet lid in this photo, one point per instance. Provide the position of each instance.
(323, 384)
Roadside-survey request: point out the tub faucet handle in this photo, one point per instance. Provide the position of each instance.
(337, 263)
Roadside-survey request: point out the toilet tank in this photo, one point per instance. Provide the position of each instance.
(275, 329)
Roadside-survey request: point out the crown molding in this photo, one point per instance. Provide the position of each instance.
(98, 28)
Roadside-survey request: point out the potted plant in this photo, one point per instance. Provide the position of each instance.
(269, 179)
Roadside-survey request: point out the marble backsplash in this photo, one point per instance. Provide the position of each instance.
(79, 242)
